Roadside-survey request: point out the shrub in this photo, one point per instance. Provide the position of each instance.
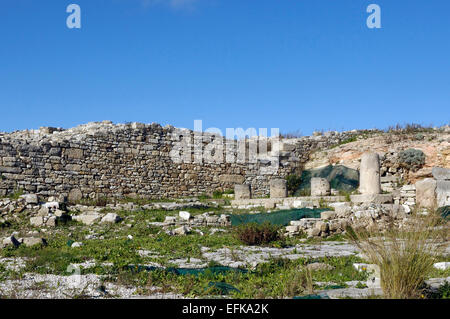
(293, 182)
(405, 257)
(411, 159)
(257, 234)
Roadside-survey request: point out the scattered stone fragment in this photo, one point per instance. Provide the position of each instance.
(111, 218)
(183, 230)
(184, 215)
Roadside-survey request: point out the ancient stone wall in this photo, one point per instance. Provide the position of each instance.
(116, 160)
(102, 159)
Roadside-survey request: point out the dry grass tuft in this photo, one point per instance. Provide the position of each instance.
(404, 255)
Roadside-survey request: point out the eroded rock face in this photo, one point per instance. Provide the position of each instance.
(370, 182)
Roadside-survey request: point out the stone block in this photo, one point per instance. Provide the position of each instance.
(426, 193)
(278, 188)
(242, 191)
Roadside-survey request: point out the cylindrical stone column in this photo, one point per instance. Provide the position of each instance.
(320, 187)
(369, 174)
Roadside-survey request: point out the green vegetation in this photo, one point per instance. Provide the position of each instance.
(293, 182)
(113, 254)
(411, 159)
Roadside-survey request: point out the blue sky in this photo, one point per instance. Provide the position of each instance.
(290, 64)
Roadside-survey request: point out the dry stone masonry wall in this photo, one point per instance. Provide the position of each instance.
(103, 159)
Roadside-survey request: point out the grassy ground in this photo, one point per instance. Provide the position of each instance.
(113, 252)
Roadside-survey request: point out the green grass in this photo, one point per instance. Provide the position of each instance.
(276, 278)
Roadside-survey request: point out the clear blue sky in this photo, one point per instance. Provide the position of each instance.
(291, 64)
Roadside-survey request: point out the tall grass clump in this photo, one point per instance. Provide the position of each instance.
(405, 255)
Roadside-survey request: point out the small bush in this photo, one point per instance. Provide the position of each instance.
(258, 234)
(411, 159)
(293, 183)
